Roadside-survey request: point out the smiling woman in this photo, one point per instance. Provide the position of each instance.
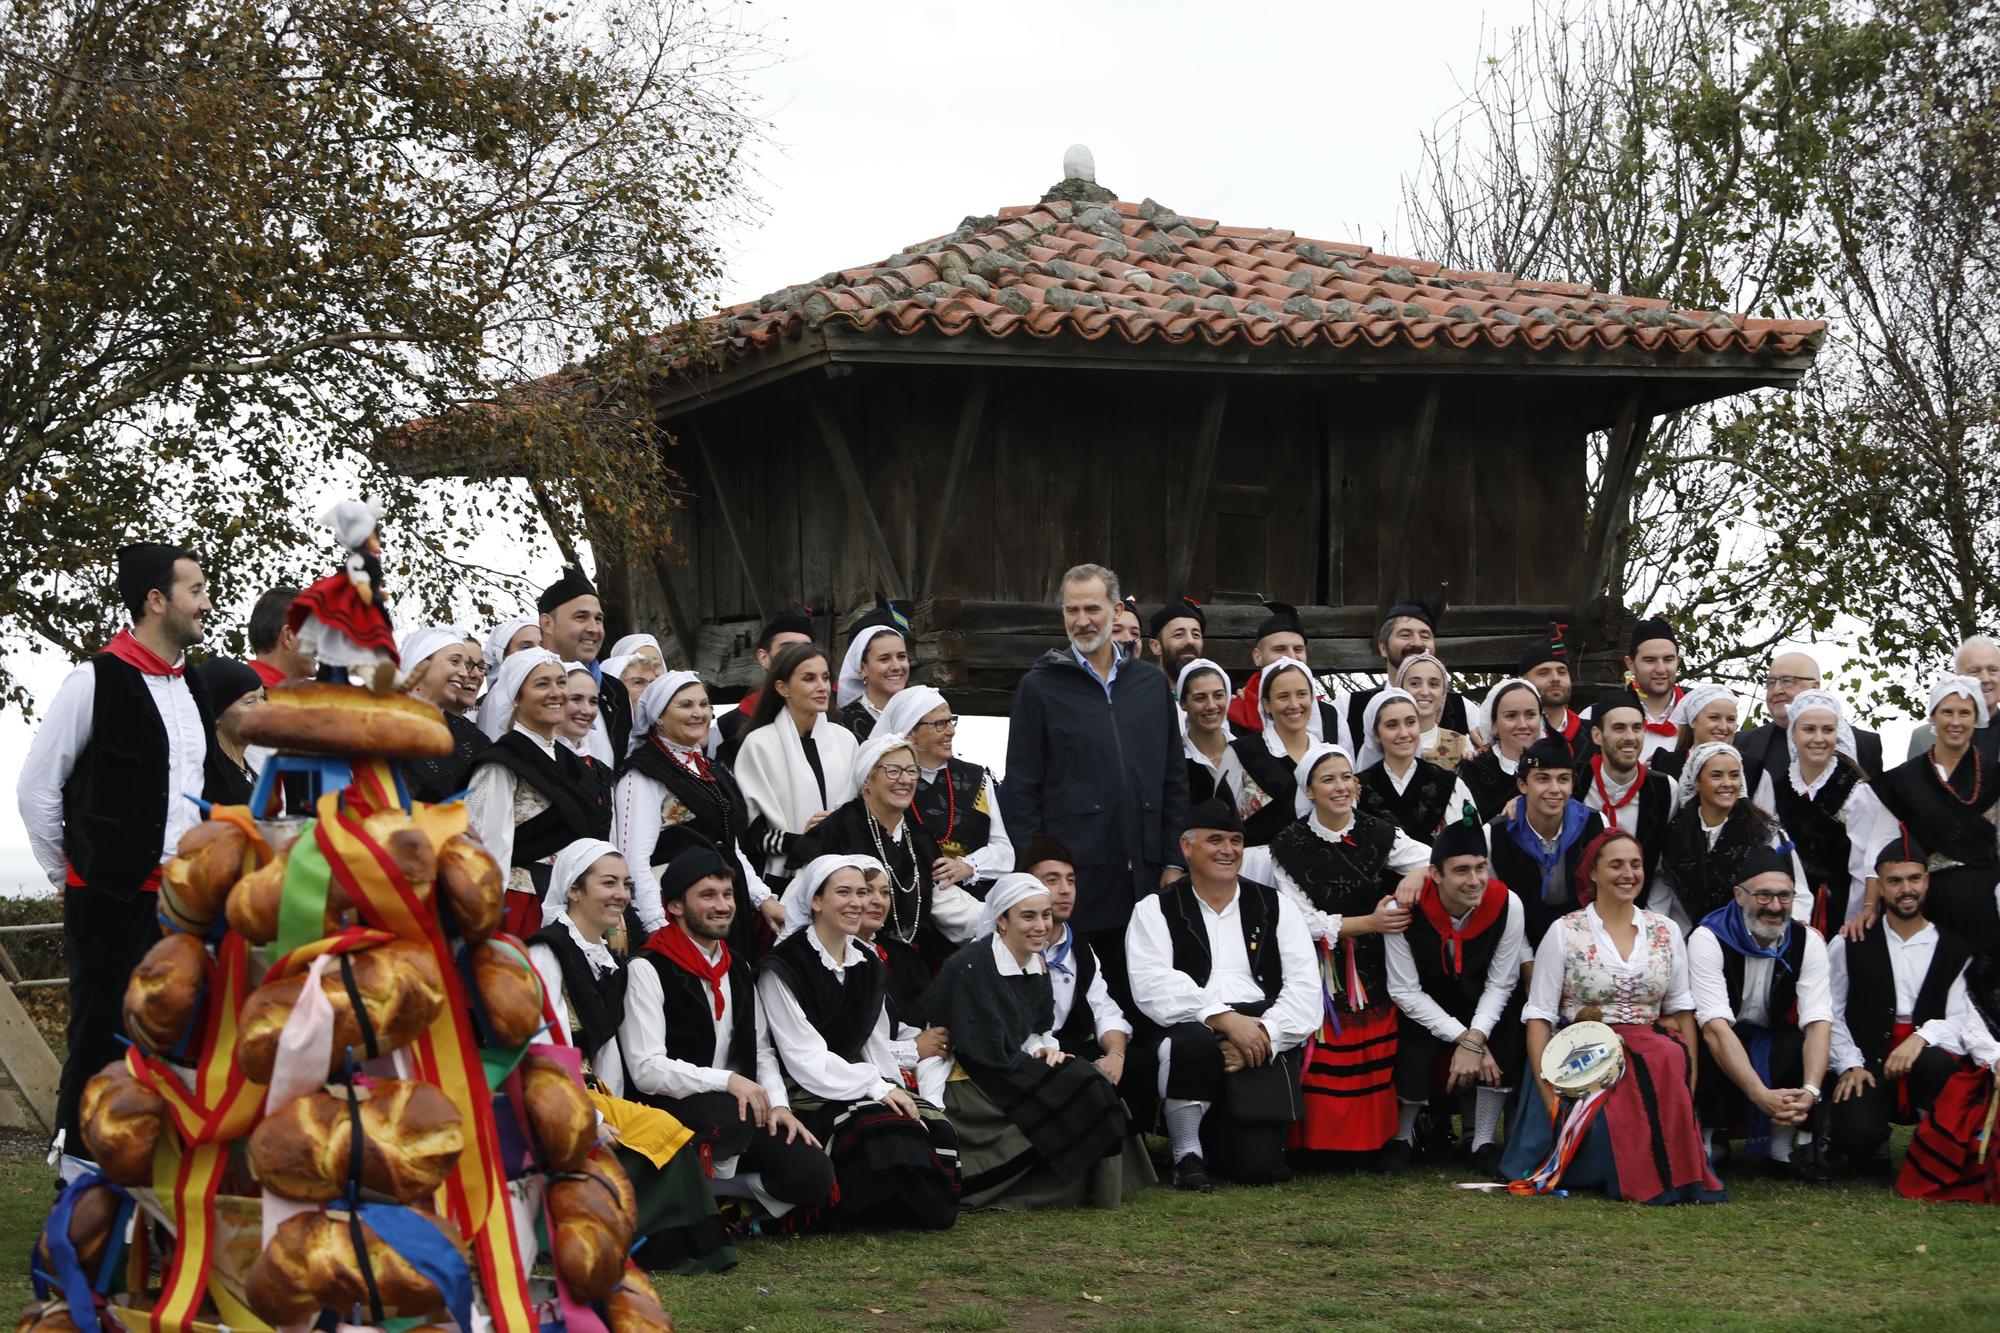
(438, 668)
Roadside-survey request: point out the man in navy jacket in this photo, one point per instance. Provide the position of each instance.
(1094, 760)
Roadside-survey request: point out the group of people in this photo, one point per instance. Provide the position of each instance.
(1276, 925)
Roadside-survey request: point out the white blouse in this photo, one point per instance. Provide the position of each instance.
(804, 1052)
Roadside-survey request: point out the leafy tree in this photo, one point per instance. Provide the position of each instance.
(241, 243)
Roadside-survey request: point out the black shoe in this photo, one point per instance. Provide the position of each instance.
(1393, 1157)
(1486, 1162)
(1800, 1171)
(1191, 1173)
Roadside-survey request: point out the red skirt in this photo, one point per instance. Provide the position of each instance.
(1350, 1084)
(337, 603)
(1943, 1161)
(520, 914)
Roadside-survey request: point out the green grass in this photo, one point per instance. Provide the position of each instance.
(1350, 1251)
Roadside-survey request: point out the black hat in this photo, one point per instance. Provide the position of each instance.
(1552, 649)
(1547, 752)
(885, 614)
(1284, 617)
(1181, 608)
(1615, 699)
(1130, 603)
(225, 681)
(798, 620)
(694, 862)
(1215, 814)
(1431, 612)
(142, 567)
(1902, 847)
(1762, 861)
(1041, 848)
(1652, 627)
(572, 585)
(1461, 837)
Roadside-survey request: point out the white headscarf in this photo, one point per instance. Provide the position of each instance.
(632, 643)
(614, 666)
(1695, 701)
(1960, 685)
(1824, 701)
(419, 646)
(1008, 892)
(881, 742)
(502, 635)
(571, 863)
(908, 706)
(851, 687)
(1271, 741)
(1180, 688)
(496, 710)
(652, 705)
(1371, 750)
(1489, 726)
(1303, 770)
(1698, 759)
(799, 893)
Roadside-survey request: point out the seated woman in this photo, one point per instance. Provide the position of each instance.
(1512, 718)
(1823, 800)
(530, 795)
(1036, 1128)
(233, 689)
(922, 1050)
(1951, 1157)
(579, 730)
(1286, 706)
(895, 1158)
(875, 670)
(1716, 825)
(1214, 770)
(1412, 793)
(438, 667)
(956, 802)
(793, 762)
(588, 891)
(933, 917)
(668, 790)
(1613, 962)
(1704, 713)
(1423, 677)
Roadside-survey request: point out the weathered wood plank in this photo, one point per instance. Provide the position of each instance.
(1614, 496)
(971, 414)
(1333, 531)
(733, 521)
(683, 626)
(1232, 621)
(858, 503)
(28, 1060)
(1200, 478)
(1418, 463)
(980, 653)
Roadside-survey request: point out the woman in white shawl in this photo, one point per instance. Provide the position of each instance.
(795, 764)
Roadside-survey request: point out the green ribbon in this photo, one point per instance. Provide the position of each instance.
(302, 905)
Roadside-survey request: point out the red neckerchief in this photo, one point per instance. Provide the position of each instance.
(1611, 807)
(1668, 727)
(700, 766)
(1572, 723)
(1451, 940)
(675, 945)
(748, 704)
(267, 673)
(135, 654)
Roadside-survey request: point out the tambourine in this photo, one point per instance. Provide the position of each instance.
(1583, 1058)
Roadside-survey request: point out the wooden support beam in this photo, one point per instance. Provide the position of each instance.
(970, 413)
(857, 495)
(1333, 498)
(1418, 462)
(677, 616)
(732, 521)
(1200, 481)
(1614, 496)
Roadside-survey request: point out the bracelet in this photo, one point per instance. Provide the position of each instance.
(1814, 1091)
(1468, 1046)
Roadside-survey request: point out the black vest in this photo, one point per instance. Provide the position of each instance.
(1522, 873)
(1705, 877)
(1078, 1032)
(1343, 877)
(577, 808)
(614, 706)
(1277, 776)
(1202, 786)
(1816, 830)
(1939, 819)
(1656, 799)
(598, 1002)
(845, 832)
(1491, 786)
(946, 809)
(435, 779)
(857, 719)
(115, 799)
(1780, 1007)
(1420, 809)
(689, 1009)
(720, 815)
(1871, 990)
(842, 1012)
(1457, 994)
(1256, 912)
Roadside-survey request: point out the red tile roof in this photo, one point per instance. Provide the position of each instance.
(1143, 273)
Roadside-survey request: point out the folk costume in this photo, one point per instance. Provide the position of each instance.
(103, 794)
(823, 1012)
(956, 803)
(1662, 732)
(343, 620)
(228, 780)
(1325, 722)
(729, 725)
(1835, 820)
(1571, 725)
(1541, 868)
(1459, 715)
(1489, 775)
(1208, 778)
(440, 779)
(858, 712)
(1952, 1156)
(529, 798)
(1419, 798)
(1642, 803)
(1446, 742)
(612, 730)
(1694, 700)
(1265, 798)
(1704, 862)
(1190, 961)
(1953, 816)
(786, 779)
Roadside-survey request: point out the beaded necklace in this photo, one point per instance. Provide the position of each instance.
(896, 886)
(1978, 777)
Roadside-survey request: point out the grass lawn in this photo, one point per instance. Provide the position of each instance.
(1348, 1251)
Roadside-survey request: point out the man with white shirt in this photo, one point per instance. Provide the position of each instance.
(104, 794)
(1765, 1007)
(695, 1044)
(1224, 970)
(1888, 988)
(1615, 781)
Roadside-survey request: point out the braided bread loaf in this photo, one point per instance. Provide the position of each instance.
(559, 1112)
(400, 990)
(310, 1265)
(206, 864)
(121, 1119)
(411, 1137)
(160, 998)
(595, 1216)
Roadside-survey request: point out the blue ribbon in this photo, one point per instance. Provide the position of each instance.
(424, 1248)
(1575, 815)
(69, 1276)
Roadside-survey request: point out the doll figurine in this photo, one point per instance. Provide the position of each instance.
(344, 617)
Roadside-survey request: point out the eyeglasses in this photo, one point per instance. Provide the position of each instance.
(894, 771)
(942, 724)
(1790, 682)
(1767, 898)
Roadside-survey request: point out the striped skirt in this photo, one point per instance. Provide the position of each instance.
(1350, 1084)
(1943, 1161)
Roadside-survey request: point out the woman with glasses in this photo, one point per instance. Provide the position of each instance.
(932, 916)
(1716, 830)
(956, 801)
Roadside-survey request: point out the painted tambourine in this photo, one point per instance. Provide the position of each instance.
(1583, 1058)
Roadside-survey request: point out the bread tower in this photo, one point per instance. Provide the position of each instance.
(342, 1097)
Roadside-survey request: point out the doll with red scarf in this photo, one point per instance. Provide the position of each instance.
(344, 617)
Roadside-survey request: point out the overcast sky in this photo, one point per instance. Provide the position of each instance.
(891, 121)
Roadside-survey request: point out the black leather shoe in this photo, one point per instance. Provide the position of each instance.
(1191, 1173)
(1486, 1161)
(1393, 1157)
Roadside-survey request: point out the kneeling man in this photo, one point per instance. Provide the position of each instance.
(1224, 971)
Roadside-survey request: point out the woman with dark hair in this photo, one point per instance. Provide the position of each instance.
(875, 670)
(793, 762)
(233, 689)
(579, 730)
(1716, 828)
(1512, 720)
(1214, 770)
(1822, 797)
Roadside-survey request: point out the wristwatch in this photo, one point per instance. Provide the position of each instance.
(1813, 1088)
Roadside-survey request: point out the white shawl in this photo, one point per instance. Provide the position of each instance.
(777, 782)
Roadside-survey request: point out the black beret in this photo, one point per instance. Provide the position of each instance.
(1652, 627)
(144, 566)
(1551, 752)
(1284, 618)
(1552, 649)
(1763, 861)
(1616, 699)
(1181, 608)
(1214, 814)
(796, 621)
(696, 860)
(572, 585)
(1041, 848)
(225, 681)
(1431, 612)
(1461, 837)
(1902, 847)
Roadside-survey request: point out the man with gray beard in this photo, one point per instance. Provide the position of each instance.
(1765, 1006)
(1094, 761)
